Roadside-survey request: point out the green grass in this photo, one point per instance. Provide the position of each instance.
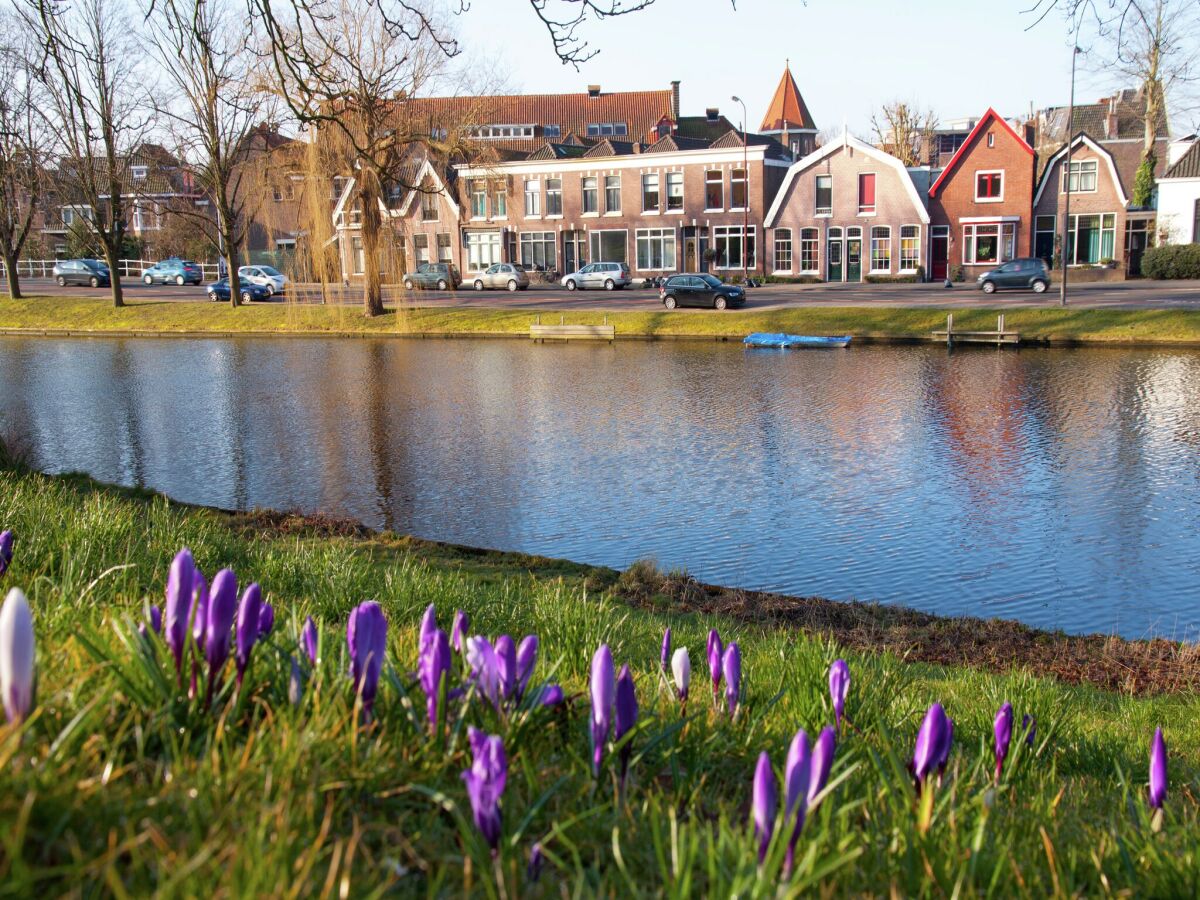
(1043, 324)
(118, 785)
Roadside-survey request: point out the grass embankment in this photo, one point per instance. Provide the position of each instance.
(119, 784)
(79, 315)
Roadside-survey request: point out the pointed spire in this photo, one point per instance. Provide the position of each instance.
(788, 111)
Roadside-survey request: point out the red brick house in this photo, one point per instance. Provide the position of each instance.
(980, 207)
(846, 212)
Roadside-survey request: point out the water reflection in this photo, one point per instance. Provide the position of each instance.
(1058, 487)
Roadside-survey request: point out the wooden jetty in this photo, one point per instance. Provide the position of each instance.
(564, 332)
(1000, 337)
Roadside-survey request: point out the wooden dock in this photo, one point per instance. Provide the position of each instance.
(999, 338)
(563, 332)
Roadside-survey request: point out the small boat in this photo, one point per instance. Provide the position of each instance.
(784, 341)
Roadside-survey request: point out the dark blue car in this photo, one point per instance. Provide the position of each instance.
(219, 290)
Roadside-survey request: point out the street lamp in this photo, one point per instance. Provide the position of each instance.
(1066, 229)
(746, 198)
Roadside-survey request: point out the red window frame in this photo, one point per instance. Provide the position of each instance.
(866, 192)
(992, 184)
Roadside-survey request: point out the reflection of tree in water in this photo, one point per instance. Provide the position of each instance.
(125, 378)
(378, 444)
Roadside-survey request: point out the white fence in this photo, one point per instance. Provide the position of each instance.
(128, 268)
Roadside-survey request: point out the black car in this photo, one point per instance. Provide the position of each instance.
(91, 272)
(1019, 274)
(219, 290)
(700, 290)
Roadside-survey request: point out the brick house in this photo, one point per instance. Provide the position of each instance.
(845, 212)
(980, 206)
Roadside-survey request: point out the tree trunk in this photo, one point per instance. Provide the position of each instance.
(232, 258)
(372, 286)
(10, 271)
(112, 257)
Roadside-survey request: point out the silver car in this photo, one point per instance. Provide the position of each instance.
(509, 276)
(606, 275)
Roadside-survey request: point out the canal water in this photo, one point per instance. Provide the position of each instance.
(1057, 487)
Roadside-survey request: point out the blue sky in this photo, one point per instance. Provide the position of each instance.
(955, 56)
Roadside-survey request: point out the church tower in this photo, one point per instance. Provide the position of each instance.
(788, 119)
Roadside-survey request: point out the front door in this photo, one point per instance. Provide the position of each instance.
(569, 253)
(854, 259)
(940, 248)
(835, 260)
(689, 255)
(1135, 247)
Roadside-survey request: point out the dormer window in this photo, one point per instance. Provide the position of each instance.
(139, 172)
(607, 129)
(552, 131)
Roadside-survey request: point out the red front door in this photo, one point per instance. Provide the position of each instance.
(939, 253)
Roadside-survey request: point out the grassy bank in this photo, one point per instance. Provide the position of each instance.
(1090, 325)
(119, 784)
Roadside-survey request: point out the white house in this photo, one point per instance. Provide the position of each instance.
(1179, 194)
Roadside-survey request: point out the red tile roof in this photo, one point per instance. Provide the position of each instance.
(788, 111)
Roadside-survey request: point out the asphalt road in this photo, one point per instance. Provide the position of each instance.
(1135, 294)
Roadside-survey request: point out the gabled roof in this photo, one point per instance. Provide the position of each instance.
(847, 141)
(1082, 139)
(1188, 165)
(990, 116)
(609, 147)
(552, 150)
(788, 111)
(670, 143)
(427, 172)
(733, 139)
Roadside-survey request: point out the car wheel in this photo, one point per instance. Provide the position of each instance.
(571, 285)
(246, 297)
(441, 285)
(478, 285)
(95, 282)
(1039, 287)
(147, 279)
(669, 302)
(212, 295)
(512, 285)
(989, 287)
(62, 282)
(610, 285)
(719, 303)
(408, 285)
(179, 279)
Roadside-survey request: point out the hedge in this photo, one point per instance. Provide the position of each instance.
(1172, 261)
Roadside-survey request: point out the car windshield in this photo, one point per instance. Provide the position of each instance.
(267, 270)
(711, 280)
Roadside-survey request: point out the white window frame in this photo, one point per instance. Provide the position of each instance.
(609, 210)
(554, 192)
(881, 235)
(916, 257)
(745, 182)
(814, 239)
(647, 178)
(596, 240)
(421, 252)
(822, 212)
(358, 258)
(648, 239)
(1077, 173)
(1003, 230)
(719, 180)
(782, 252)
(583, 193)
(1003, 185)
(729, 231)
(445, 250)
(429, 203)
(675, 179)
(535, 240)
(477, 243)
(479, 192)
(533, 198)
(500, 200)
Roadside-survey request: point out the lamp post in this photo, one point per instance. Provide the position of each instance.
(1066, 229)
(746, 198)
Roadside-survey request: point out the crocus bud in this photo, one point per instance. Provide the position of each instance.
(366, 636)
(178, 604)
(796, 777)
(1028, 728)
(17, 656)
(308, 637)
(433, 667)
(715, 651)
(222, 607)
(551, 695)
(762, 804)
(295, 684)
(536, 863)
(627, 713)
(458, 631)
(248, 614)
(199, 609)
(839, 683)
(527, 652)
(681, 667)
(664, 656)
(1002, 729)
(156, 619)
(485, 667)
(266, 620)
(733, 677)
(6, 550)
(603, 689)
(485, 782)
(1158, 770)
(933, 743)
(428, 625)
(822, 762)
(506, 656)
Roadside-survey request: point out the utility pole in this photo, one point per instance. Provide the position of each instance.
(746, 199)
(1066, 227)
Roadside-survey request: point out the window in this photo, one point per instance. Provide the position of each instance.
(737, 189)
(1045, 235)
(783, 249)
(714, 190)
(554, 197)
(612, 193)
(500, 201)
(503, 132)
(989, 186)
(552, 131)
(656, 248)
(483, 249)
(608, 246)
(591, 199)
(429, 206)
(533, 197)
(139, 173)
(650, 193)
(358, 259)
(910, 248)
(949, 143)
(730, 243)
(809, 244)
(866, 193)
(674, 192)
(284, 191)
(1108, 236)
(537, 250)
(607, 129)
(993, 243)
(881, 249)
(445, 253)
(824, 195)
(991, 139)
(1196, 224)
(146, 217)
(478, 199)
(421, 248)
(1091, 239)
(1083, 177)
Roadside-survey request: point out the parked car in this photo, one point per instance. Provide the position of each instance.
(503, 275)
(272, 279)
(1021, 274)
(219, 290)
(173, 271)
(81, 271)
(700, 289)
(607, 275)
(442, 276)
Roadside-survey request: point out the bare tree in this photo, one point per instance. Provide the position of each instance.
(904, 131)
(89, 69)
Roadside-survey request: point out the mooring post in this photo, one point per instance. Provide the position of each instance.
(949, 329)
(562, 320)
(1000, 330)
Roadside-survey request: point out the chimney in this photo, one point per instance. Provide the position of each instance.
(675, 100)
(1110, 121)
(712, 114)
(593, 90)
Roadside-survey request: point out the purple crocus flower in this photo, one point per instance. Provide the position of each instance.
(1028, 728)
(626, 717)
(762, 804)
(458, 631)
(1002, 729)
(17, 657)
(266, 620)
(1158, 770)
(156, 619)
(485, 783)
(796, 778)
(178, 604)
(681, 668)
(664, 656)
(485, 667)
(933, 744)
(222, 607)
(822, 762)
(603, 689)
(551, 695)
(733, 677)
(944, 749)
(715, 651)
(428, 625)
(366, 635)
(6, 550)
(199, 624)
(308, 637)
(839, 683)
(433, 667)
(506, 658)
(536, 863)
(527, 653)
(248, 613)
